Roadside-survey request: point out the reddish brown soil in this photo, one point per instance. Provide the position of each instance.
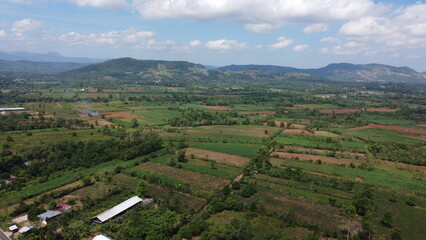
(421, 125)
(302, 131)
(121, 114)
(339, 111)
(383, 109)
(312, 157)
(262, 113)
(392, 127)
(218, 108)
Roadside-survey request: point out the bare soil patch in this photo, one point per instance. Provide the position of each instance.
(382, 109)
(339, 111)
(299, 131)
(218, 108)
(121, 114)
(217, 156)
(392, 127)
(305, 157)
(198, 180)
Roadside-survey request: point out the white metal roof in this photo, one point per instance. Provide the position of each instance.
(12, 109)
(13, 228)
(102, 237)
(118, 209)
(48, 214)
(26, 229)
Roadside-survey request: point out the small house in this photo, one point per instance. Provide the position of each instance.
(13, 228)
(10, 180)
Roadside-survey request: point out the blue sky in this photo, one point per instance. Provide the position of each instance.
(297, 33)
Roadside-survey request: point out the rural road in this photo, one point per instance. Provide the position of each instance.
(3, 236)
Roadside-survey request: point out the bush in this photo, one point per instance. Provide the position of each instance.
(248, 190)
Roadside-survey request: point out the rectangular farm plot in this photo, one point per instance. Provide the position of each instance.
(245, 150)
(183, 200)
(330, 160)
(197, 180)
(249, 131)
(217, 156)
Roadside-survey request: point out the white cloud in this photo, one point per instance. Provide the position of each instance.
(301, 48)
(406, 28)
(224, 45)
(195, 43)
(350, 48)
(20, 1)
(258, 15)
(113, 5)
(26, 25)
(130, 37)
(318, 27)
(282, 42)
(330, 40)
(3, 34)
(261, 27)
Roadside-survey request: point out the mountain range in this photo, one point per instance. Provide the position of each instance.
(45, 57)
(156, 70)
(344, 72)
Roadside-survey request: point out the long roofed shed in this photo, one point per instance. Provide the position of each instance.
(112, 212)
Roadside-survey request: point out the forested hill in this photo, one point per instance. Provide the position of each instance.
(133, 69)
(345, 72)
(37, 67)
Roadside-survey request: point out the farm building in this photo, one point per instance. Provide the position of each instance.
(102, 237)
(61, 208)
(10, 180)
(47, 215)
(120, 208)
(26, 229)
(13, 228)
(12, 109)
